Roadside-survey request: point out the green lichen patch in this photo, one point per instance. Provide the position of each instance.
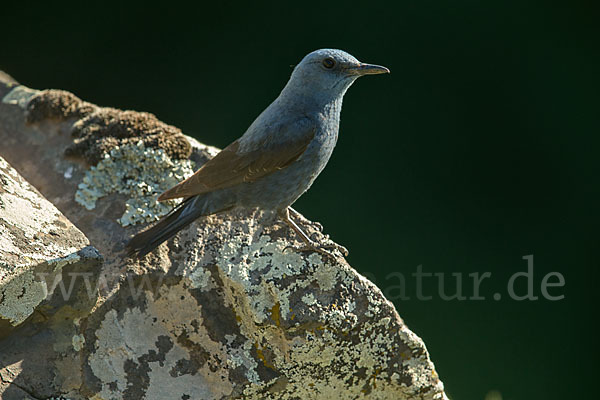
(139, 172)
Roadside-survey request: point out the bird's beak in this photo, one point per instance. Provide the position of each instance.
(367, 69)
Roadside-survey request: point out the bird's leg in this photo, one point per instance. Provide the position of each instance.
(309, 244)
(301, 217)
(319, 227)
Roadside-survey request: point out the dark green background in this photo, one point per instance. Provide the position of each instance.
(478, 149)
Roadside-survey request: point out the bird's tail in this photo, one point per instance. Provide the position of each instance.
(180, 217)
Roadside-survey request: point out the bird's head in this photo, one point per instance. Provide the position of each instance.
(330, 72)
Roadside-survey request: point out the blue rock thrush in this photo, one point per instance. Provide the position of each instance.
(277, 158)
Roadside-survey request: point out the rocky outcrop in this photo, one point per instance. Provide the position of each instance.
(38, 245)
(48, 276)
(222, 311)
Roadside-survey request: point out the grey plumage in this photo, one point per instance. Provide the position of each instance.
(278, 157)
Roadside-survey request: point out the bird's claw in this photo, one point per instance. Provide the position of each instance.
(339, 248)
(335, 246)
(313, 224)
(317, 225)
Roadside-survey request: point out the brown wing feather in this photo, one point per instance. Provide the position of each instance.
(229, 167)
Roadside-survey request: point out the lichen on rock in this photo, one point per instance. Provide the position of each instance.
(39, 248)
(224, 310)
(138, 172)
(241, 317)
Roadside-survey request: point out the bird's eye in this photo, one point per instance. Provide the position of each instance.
(329, 63)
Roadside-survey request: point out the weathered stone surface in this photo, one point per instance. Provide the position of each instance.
(221, 311)
(48, 281)
(38, 245)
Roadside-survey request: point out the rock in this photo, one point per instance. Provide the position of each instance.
(7, 83)
(48, 281)
(221, 311)
(40, 252)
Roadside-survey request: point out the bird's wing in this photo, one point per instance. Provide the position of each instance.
(240, 162)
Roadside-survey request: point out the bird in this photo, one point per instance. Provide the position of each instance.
(278, 157)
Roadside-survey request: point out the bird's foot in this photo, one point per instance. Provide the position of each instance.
(316, 225)
(321, 248)
(305, 221)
